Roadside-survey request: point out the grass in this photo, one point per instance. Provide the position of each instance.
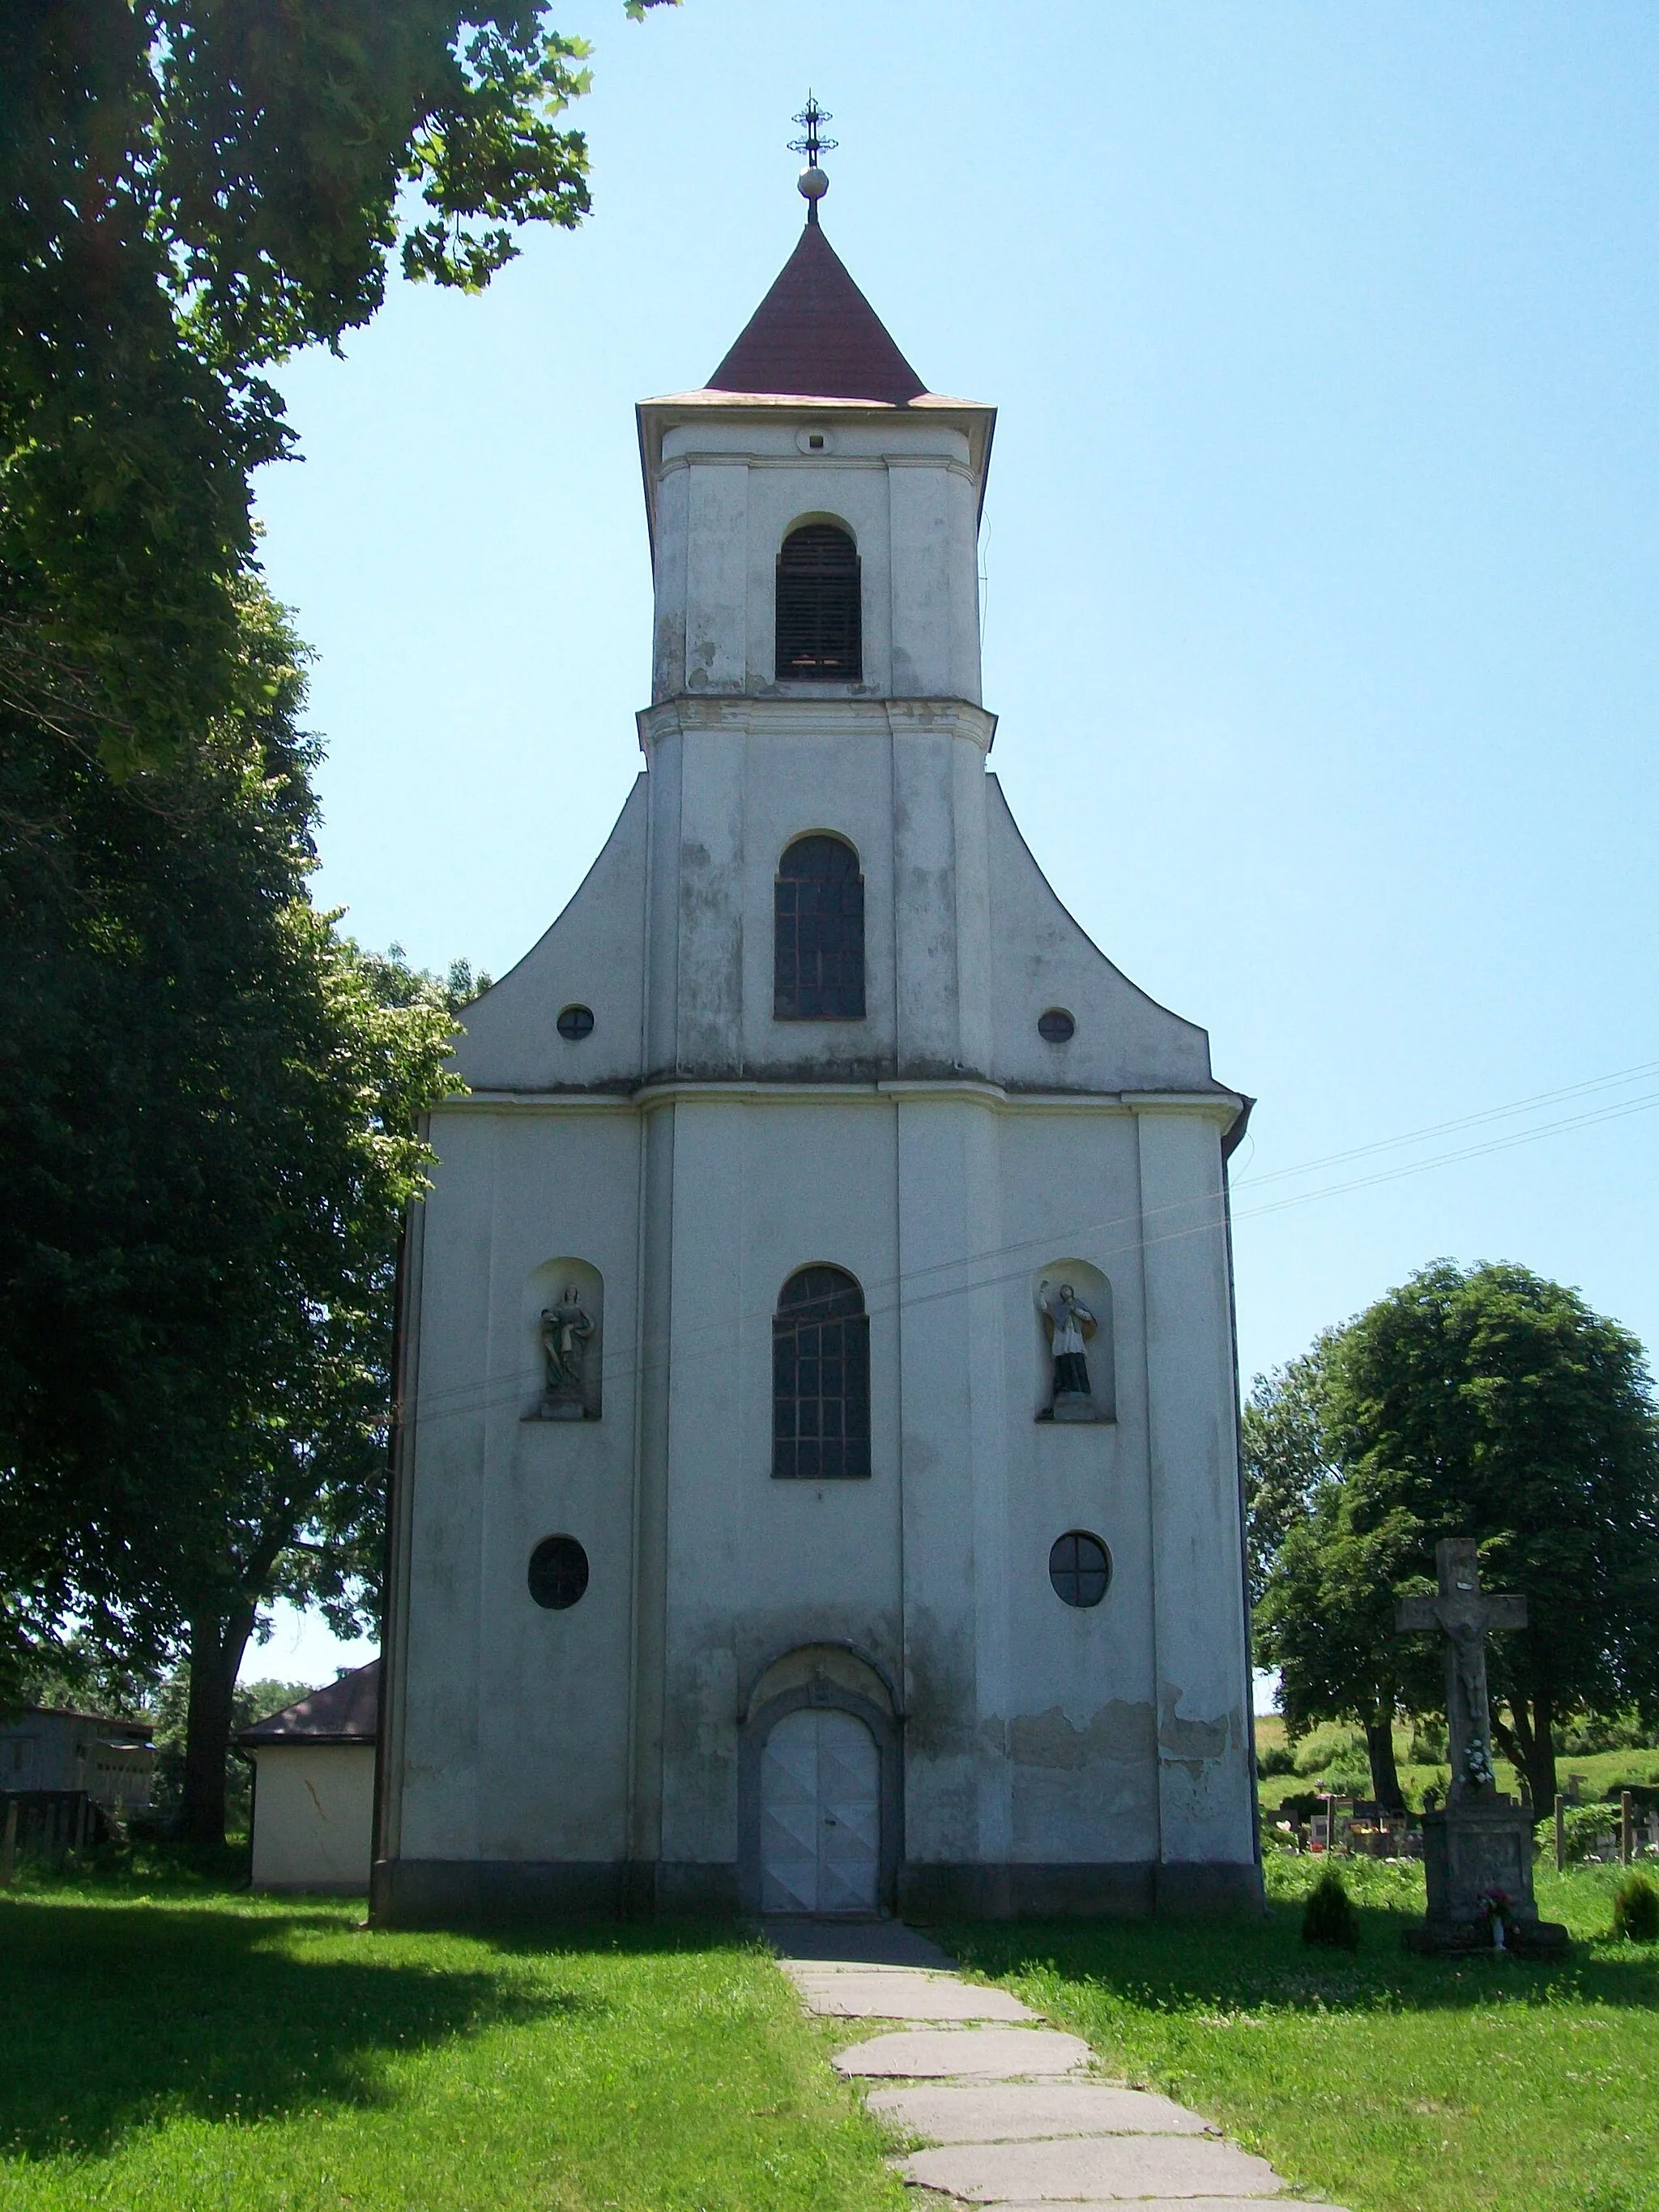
(169, 2042)
(183, 2047)
(1382, 2082)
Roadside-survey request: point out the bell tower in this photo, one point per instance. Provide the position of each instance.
(815, 420)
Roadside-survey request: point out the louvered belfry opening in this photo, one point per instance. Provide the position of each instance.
(821, 1379)
(817, 924)
(820, 614)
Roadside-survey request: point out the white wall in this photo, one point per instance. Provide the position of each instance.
(697, 1151)
(313, 1815)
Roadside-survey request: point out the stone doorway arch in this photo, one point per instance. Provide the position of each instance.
(808, 1796)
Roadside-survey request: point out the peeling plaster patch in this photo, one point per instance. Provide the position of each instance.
(1117, 1730)
(1190, 1740)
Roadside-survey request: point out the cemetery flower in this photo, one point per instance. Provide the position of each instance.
(1477, 1765)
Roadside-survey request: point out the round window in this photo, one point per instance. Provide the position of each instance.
(1056, 1026)
(1079, 1567)
(558, 1572)
(576, 1023)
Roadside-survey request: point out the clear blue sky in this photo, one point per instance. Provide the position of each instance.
(1322, 543)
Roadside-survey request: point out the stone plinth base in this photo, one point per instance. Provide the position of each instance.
(446, 1893)
(1528, 1939)
(1475, 1845)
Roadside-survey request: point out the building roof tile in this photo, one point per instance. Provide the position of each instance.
(815, 336)
(346, 1711)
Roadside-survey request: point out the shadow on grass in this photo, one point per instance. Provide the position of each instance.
(114, 2016)
(1243, 1965)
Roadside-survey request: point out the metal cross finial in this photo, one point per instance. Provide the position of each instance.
(811, 145)
(812, 183)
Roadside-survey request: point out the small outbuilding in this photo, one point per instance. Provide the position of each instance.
(54, 1750)
(313, 1787)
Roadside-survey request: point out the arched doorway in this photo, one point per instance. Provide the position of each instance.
(820, 1784)
(820, 1825)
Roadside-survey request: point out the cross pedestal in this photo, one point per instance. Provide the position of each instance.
(1481, 1843)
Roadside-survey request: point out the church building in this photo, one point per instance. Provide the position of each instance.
(818, 1483)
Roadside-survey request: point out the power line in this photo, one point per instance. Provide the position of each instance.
(885, 1294)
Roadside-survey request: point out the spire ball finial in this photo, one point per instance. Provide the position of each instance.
(812, 183)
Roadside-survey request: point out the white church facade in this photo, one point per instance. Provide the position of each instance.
(818, 1483)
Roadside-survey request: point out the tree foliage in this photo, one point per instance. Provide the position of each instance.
(209, 1112)
(210, 1097)
(189, 190)
(1485, 1403)
(1492, 1403)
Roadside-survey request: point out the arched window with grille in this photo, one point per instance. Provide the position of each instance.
(821, 1379)
(820, 636)
(817, 913)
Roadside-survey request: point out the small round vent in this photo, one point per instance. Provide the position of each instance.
(558, 1573)
(577, 1022)
(1056, 1026)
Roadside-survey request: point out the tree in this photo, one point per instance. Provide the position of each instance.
(1326, 1620)
(208, 1110)
(1494, 1404)
(1321, 1586)
(300, 1510)
(189, 190)
(209, 1116)
(1286, 1453)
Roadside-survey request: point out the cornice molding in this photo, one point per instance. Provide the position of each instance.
(688, 713)
(1221, 1107)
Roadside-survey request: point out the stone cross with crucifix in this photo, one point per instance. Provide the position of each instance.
(1464, 1612)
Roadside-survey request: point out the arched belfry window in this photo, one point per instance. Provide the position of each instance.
(818, 932)
(820, 613)
(821, 1378)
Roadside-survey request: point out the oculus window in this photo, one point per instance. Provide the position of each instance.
(821, 1379)
(1079, 1567)
(818, 932)
(820, 628)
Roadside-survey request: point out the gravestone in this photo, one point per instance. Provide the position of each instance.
(1480, 1845)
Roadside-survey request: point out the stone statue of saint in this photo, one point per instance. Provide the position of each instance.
(1070, 1324)
(566, 1328)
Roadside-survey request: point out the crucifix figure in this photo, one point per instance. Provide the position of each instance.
(1464, 1612)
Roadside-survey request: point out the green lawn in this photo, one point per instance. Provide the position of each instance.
(192, 2051)
(1385, 2082)
(197, 2050)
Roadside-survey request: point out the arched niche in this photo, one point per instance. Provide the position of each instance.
(563, 1338)
(1057, 1398)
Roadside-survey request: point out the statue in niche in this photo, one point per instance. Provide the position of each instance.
(566, 1329)
(1070, 1325)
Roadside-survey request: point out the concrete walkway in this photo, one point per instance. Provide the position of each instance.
(1009, 2110)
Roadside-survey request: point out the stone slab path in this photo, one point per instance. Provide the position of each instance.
(1006, 2108)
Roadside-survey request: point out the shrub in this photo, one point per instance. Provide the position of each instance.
(1636, 1909)
(1328, 1916)
(1588, 1828)
(1276, 1759)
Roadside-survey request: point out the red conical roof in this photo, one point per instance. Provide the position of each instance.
(815, 336)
